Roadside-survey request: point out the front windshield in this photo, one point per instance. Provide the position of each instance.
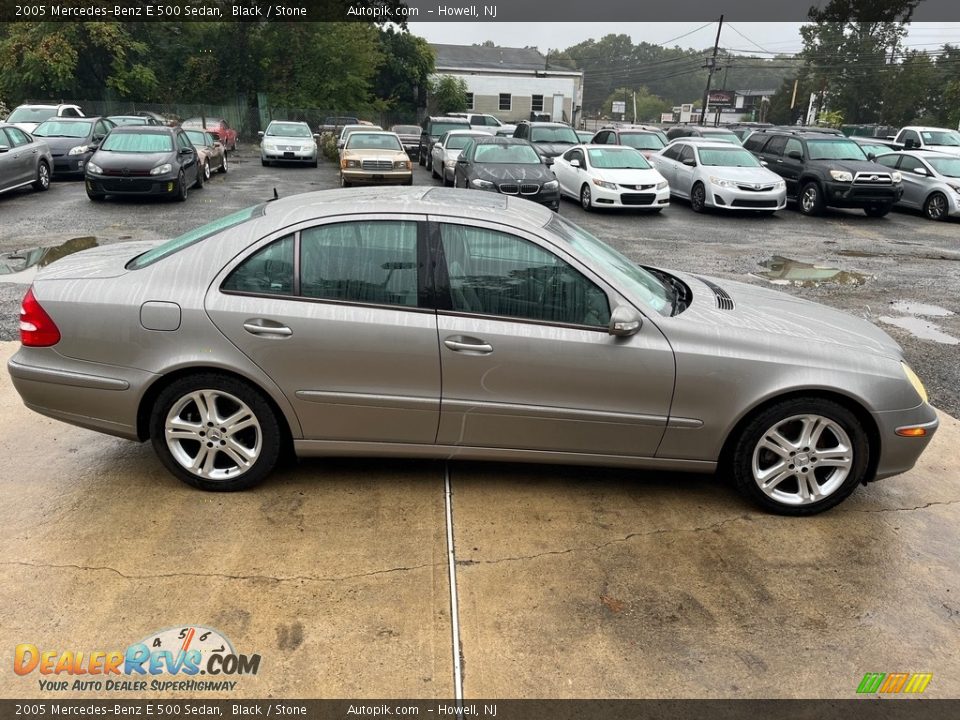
(138, 142)
(561, 134)
(947, 166)
(31, 114)
(373, 141)
(459, 142)
(59, 128)
(198, 138)
(840, 149)
(941, 137)
(617, 267)
(727, 157)
(289, 130)
(129, 120)
(721, 136)
(519, 154)
(194, 236)
(439, 128)
(876, 149)
(616, 158)
(641, 141)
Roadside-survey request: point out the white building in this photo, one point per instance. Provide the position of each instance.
(510, 83)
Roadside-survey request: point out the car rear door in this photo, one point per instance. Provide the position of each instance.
(526, 356)
(21, 158)
(333, 312)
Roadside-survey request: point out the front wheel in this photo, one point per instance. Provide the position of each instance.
(586, 199)
(206, 171)
(344, 183)
(698, 198)
(181, 187)
(801, 456)
(43, 176)
(223, 164)
(811, 199)
(215, 432)
(935, 208)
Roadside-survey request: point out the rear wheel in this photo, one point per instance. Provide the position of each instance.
(43, 176)
(223, 165)
(206, 171)
(935, 208)
(215, 432)
(801, 456)
(811, 199)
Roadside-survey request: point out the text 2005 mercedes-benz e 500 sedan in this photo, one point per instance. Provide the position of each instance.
(458, 324)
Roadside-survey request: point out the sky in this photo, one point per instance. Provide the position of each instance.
(745, 36)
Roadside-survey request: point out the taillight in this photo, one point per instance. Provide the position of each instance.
(37, 329)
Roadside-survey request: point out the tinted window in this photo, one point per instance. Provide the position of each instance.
(776, 145)
(439, 128)
(364, 262)
(755, 142)
(641, 141)
(493, 273)
(793, 145)
(889, 160)
(70, 112)
(269, 270)
(686, 153)
(673, 152)
(909, 164)
(60, 128)
(559, 134)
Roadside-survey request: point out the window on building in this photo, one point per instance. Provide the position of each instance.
(506, 101)
(536, 103)
(470, 101)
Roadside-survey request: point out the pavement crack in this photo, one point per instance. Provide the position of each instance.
(225, 576)
(601, 546)
(909, 509)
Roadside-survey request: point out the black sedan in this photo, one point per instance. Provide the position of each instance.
(72, 141)
(144, 160)
(509, 166)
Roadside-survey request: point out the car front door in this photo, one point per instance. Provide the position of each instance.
(21, 158)
(567, 175)
(348, 339)
(527, 359)
(916, 181)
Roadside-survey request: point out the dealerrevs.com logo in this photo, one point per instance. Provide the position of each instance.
(198, 658)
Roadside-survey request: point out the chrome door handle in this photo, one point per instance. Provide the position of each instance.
(257, 329)
(458, 345)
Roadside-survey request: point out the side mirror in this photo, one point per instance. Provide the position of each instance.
(4, 148)
(548, 161)
(316, 136)
(260, 134)
(871, 157)
(764, 163)
(624, 321)
(575, 163)
(461, 158)
(690, 162)
(339, 144)
(795, 154)
(909, 144)
(186, 151)
(920, 171)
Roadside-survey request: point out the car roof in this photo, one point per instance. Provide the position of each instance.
(74, 119)
(458, 119)
(142, 129)
(544, 123)
(466, 204)
(288, 122)
(702, 142)
(921, 128)
(487, 139)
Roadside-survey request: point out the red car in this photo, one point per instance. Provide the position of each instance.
(217, 127)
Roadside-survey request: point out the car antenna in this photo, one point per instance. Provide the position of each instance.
(275, 196)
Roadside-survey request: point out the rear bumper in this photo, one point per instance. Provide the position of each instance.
(899, 454)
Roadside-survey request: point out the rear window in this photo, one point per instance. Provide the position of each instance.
(194, 236)
(641, 141)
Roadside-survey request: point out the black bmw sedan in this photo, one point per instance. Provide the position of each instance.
(144, 160)
(509, 166)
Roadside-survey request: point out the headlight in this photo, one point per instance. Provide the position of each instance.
(313, 146)
(720, 182)
(779, 185)
(162, 169)
(450, 163)
(662, 185)
(896, 176)
(955, 188)
(94, 169)
(349, 163)
(551, 185)
(78, 150)
(915, 381)
(401, 165)
(478, 183)
(842, 176)
(267, 145)
(604, 184)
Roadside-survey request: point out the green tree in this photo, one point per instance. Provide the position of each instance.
(447, 94)
(649, 106)
(780, 112)
(908, 99)
(407, 64)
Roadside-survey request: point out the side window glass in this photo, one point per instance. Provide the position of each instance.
(776, 145)
(268, 271)
(365, 262)
(793, 145)
(889, 160)
(492, 273)
(686, 153)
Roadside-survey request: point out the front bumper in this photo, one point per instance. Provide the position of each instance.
(899, 454)
(279, 155)
(738, 199)
(139, 185)
(384, 177)
(858, 195)
(550, 198)
(649, 198)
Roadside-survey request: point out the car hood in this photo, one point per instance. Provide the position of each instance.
(98, 262)
(552, 149)
(113, 160)
(498, 172)
(774, 314)
(375, 154)
(743, 174)
(951, 149)
(63, 145)
(628, 177)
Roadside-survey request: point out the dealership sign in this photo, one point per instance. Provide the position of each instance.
(720, 98)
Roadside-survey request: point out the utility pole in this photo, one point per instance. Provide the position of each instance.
(712, 66)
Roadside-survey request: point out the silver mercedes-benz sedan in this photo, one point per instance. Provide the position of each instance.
(427, 322)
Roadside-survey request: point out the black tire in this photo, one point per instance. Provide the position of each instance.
(201, 177)
(698, 198)
(181, 188)
(429, 165)
(447, 183)
(344, 183)
(420, 158)
(935, 207)
(433, 171)
(206, 170)
(267, 438)
(877, 211)
(95, 196)
(42, 182)
(265, 163)
(747, 453)
(810, 200)
(223, 165)
(315, 163)
(586, 199)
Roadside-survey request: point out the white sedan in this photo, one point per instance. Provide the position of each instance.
(611, 176)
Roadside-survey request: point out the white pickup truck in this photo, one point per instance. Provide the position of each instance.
(929, 138)
(488, 123)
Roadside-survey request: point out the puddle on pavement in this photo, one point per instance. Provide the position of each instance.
(909, 307)
(920, 328)
(22, 265)
(785, 271)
